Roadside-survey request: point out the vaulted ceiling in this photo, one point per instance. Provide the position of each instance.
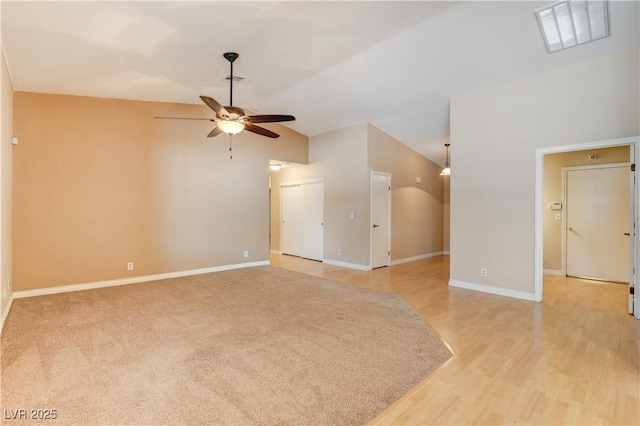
(331, 64)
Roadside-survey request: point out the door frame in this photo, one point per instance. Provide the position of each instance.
(388, 175)
(565, 170)
(539, 204)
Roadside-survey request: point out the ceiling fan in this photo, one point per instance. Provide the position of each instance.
(231, 119)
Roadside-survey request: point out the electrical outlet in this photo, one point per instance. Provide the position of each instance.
(339, 252)
(130, 266)
(246, 253)
(483, 272)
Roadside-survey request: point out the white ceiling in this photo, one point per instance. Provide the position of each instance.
(331, 64)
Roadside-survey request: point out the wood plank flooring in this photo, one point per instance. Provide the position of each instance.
(572, 359)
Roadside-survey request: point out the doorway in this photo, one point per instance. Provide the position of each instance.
(542, 206)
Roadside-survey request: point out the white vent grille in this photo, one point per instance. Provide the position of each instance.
(569, 23)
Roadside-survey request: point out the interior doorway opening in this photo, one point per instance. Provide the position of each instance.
(551, 221)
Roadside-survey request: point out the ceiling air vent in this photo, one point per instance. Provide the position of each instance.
(569, 23)
(236, 78)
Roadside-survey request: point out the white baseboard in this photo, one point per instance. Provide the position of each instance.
(134, 280)
(517, 294)
(347, 265)
(275, 251)
(552, 272)
(414, 258)
(446, 252)
(5, 314)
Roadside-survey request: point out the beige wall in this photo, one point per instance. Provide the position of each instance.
(416, 208)
(99, 183)
(553, 164)
(344, 158)
(495, 134)
(6, 132)
(340, 158)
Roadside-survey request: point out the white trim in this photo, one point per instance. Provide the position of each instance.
(588, 145)
(5, 314)
(301, 182)
(134, 280)
(539, 201)
(446, 252)
(500, 291)
(538, 233)
(563, 221)
(553, 272)
(272, 251)
(414, 258)
(357, 266)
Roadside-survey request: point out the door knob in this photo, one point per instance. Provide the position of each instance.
(571, 228)
(627, 234)
(375, 226)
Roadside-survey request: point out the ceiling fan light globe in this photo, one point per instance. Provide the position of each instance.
(230, 127)
(446, 171)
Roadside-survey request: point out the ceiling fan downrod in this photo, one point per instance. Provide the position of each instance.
(231, 57)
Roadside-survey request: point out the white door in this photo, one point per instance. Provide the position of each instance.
(302, 220)
(597, 222)
(633, 199)
(290, 222)
(380, 219)
(312, 221)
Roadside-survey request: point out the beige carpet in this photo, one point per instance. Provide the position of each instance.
(258, 345)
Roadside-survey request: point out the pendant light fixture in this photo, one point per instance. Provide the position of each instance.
(447, 170)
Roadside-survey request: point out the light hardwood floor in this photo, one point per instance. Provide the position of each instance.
(572, 359)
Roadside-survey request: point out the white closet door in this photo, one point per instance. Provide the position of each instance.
(312, 221)
(302, 231)
(290, 226)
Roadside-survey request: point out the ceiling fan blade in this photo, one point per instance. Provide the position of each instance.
(213, 104)
(185, 118)
(270, 118)
(261, 131)
(215, 132)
